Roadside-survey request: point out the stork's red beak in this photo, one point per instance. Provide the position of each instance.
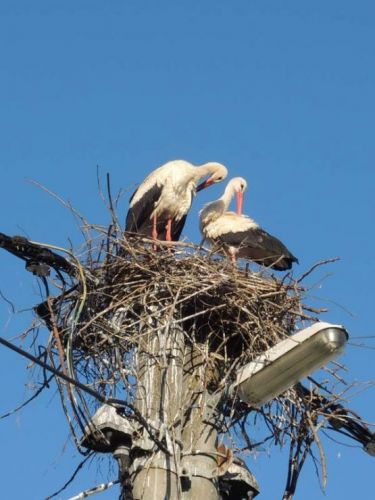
(239, 202)
(205, 184)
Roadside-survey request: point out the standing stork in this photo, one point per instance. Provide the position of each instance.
(239, 235)
(159, 206)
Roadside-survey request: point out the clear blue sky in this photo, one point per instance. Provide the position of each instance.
(280, 92)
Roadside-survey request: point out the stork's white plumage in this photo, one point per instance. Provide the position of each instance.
(159, 206)
(240, 236)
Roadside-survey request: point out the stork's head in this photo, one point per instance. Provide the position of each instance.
(217, 173)
(238, 185)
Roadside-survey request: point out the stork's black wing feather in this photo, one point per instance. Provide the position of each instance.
(258, 245)
(177, 228)
(138, 219)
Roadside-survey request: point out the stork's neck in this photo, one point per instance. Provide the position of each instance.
(206, 169)
(227, 196)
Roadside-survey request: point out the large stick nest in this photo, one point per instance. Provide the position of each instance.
(236, 312)
(239, 312)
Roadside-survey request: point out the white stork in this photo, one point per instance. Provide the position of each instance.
(159, 206)
(239, 235)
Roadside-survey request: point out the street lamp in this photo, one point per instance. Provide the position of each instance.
(287, 362)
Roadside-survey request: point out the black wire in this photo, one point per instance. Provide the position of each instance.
(44, 386)
(79, 467)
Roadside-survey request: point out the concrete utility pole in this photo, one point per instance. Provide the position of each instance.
(155, 472)
(172, 396)
(199, 462)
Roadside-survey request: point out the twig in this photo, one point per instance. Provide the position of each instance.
(318, 264)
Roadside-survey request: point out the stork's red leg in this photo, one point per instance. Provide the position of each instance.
(233, 257)
(168, 227)
(154, 230)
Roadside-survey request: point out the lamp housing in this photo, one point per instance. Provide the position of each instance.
(288, 362)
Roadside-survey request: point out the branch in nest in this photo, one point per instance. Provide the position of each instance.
(318, 264)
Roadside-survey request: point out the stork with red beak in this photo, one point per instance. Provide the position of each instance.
(240, 236)
(159, 206)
